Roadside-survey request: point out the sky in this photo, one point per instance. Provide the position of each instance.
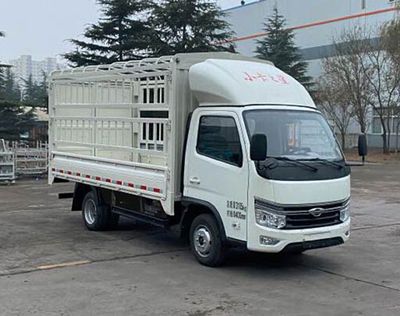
(41, 28)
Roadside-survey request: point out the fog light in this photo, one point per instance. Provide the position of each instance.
(270, 241)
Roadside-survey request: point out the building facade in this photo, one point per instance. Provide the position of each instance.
(24, 66)
(315, 24)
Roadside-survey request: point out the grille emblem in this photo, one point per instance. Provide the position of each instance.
(316, 212)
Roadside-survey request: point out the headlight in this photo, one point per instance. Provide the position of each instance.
(345, 214)
(268, 219)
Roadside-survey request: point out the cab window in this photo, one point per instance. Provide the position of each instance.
(218, 138)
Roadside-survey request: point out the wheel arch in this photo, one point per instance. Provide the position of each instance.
(103, 196)
(194, 207)
(80, 192)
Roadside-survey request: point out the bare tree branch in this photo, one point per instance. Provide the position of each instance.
(345, 82)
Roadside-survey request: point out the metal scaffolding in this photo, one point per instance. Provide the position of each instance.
(7, 163)
(30, 161)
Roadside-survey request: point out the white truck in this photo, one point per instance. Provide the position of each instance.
(229, 149)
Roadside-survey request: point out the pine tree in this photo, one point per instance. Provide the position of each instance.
(14, 120)
(120, 34)
(278, 47)
(182, 26)
(10, 87)
(30, 92)
(35, 93)
(2, 83)
(2, 72)
(42, 94)
(2, 34)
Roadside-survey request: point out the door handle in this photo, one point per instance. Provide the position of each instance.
(194, 180)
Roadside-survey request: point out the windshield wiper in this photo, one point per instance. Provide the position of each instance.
(296, 162)
(326, 162)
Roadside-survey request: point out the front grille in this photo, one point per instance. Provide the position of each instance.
(299, 217)
(303, 220)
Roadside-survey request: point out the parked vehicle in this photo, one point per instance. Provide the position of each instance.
(229, 149)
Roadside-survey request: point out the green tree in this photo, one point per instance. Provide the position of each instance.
(12, 91)
(120, 34)
(30, 92)
(278, 47)
(35, 93)
(2, 82)
(2, 34)
(181, 26)
(42, 94)
(14, 119)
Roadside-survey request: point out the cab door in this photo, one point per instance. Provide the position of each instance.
(216, 167)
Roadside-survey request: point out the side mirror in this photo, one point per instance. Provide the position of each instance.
(362, 146)
(258, 147)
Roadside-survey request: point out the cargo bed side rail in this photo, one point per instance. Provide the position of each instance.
(111, 125)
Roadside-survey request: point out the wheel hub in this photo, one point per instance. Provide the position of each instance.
(90, 212)
(202, 241)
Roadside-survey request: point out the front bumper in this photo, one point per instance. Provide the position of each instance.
(301, 239)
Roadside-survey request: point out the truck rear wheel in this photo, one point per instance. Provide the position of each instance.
(206, 242)
(95, 216)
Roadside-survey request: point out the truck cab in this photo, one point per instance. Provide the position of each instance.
(296, 192)
(266, 159)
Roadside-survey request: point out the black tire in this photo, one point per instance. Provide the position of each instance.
(95, 216)
(114, 220)
(206, 242)
(298, 252)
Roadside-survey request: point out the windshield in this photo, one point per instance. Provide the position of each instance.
(300, 135)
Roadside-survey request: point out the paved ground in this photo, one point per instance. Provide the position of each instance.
(51, 265)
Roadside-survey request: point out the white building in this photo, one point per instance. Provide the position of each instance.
(315, 23)
(24, 66)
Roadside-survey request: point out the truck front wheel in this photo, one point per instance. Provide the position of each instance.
(95, 216)
(206, 242)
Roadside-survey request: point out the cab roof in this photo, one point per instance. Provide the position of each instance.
(232, 82)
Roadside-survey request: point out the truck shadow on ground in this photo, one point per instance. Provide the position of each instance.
(244, 259)
(237, 258)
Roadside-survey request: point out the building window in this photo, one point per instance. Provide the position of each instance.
(376, 126)
(218, 138)
(396, 121)
(392, 124)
